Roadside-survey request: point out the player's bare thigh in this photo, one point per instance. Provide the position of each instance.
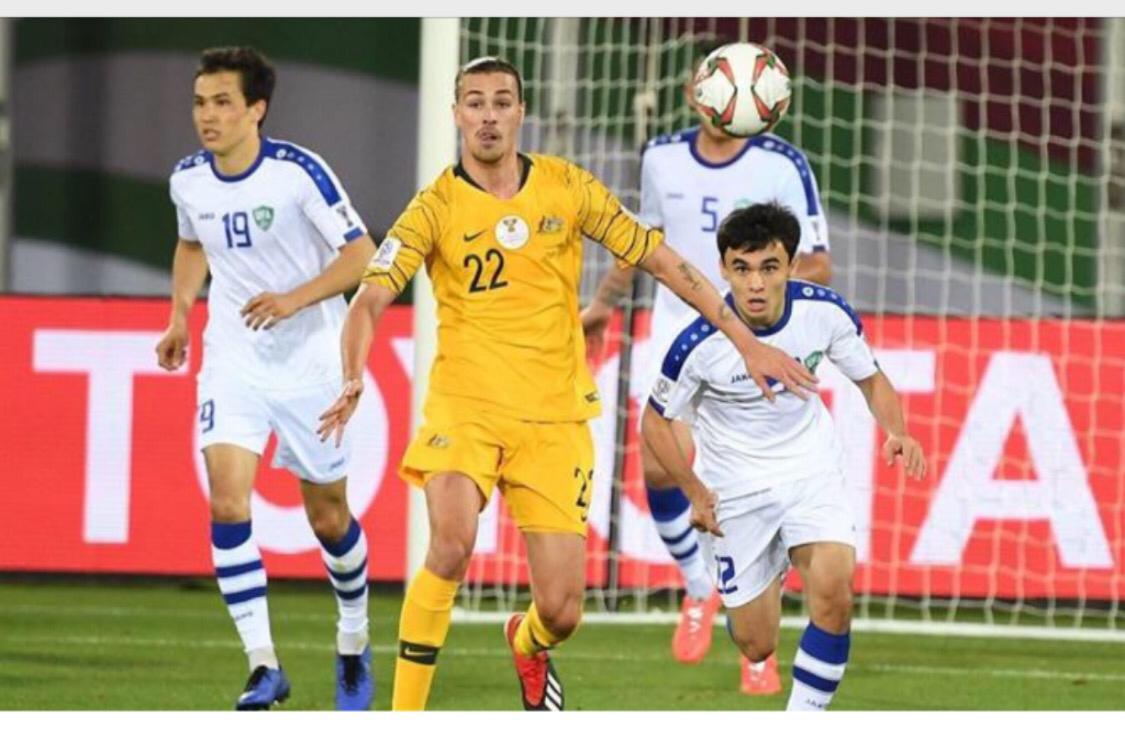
(827, 569)
(453, 503)
(755, 626)
(557, 563)
(230, 473)
(656, 476)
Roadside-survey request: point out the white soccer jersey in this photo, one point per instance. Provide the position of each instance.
(744, 443)
(688, 197)
(275, 226)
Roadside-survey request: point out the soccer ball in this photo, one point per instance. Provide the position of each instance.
(743, 89)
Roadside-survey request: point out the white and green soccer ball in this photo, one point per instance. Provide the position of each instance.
(743, 88)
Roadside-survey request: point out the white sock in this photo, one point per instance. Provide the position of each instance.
(346, 562)
(242, 581)
(671, 512)
(818, 668)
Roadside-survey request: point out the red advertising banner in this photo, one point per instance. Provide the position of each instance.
(102, 474)
(1023, 422)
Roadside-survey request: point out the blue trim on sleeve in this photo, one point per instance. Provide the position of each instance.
(199, 157)
(290, 153)
(353, 234)
(688, 340)
(670, 138)
(805, 290)
(775, 144)
(656, 406)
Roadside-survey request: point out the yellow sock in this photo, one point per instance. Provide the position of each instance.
(532, 635)
(421, 632)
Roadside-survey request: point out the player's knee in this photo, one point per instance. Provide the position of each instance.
(831, 609)
(754, 645)
(228, 507)
(449, 554)
(329, 518)
(561, 619)
(329, 524)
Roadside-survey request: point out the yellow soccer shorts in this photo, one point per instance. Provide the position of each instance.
(544, 470)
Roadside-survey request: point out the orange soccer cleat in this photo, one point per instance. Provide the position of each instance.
(693, 634)
(761, 678)
(540, 686)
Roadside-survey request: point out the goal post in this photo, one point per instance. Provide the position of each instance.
(972, 179)
(437, 147)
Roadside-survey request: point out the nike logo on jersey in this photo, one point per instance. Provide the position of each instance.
(471, 237)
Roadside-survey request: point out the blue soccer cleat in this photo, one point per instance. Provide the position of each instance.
(265, 688)
(355, 683)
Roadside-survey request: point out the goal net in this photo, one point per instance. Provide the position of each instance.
(974, 180)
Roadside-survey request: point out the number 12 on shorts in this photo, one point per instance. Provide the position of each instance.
(725, 566)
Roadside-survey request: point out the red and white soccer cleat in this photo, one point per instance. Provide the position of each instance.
(540, 687)
(693, 634)
(760, 679)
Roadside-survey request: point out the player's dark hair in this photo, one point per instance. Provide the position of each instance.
(756, 227)
(487, 65)
(702, 47)
(254, 70)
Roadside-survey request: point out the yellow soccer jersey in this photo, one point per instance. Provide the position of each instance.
(505, 275)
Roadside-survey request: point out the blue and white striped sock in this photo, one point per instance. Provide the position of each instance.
(671, 511)
(346, 561)
(242, 581)
(818, 668)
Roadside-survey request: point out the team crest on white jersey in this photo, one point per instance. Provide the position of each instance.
(385, 255)
(512, 232)
(263, 217)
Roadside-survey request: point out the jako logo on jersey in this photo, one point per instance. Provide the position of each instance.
(438, 441)
(263, 217)
(385, 256)
(512, 232)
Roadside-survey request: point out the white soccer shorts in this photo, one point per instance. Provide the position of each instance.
(760, 528)
(230, 410)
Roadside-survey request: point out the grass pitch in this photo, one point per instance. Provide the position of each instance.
(168, 645)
